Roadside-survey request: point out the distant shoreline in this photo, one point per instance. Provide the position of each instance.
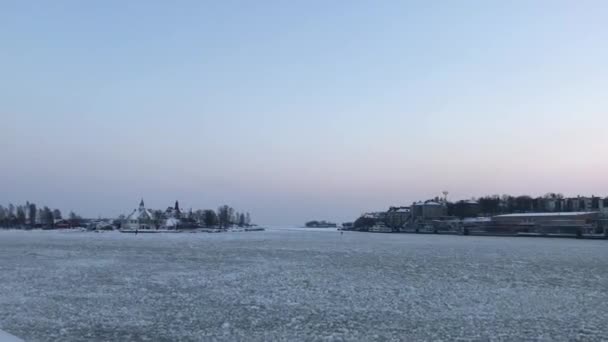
(490, 234)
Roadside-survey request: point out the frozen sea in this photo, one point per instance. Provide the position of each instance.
(299, 284)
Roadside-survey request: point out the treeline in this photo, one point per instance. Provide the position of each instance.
(30, 216)
(507, 204)
(225, 216)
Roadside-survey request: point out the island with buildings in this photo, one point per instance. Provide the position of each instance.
(321, 224)
(552, 215)
(139, 220)
(174, 219)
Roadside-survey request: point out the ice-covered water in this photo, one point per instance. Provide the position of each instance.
(300, 285)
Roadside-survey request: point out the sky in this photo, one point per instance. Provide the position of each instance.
(299, 110)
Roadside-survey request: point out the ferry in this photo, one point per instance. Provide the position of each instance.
(380, 228)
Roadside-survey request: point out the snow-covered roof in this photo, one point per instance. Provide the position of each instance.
(431, 203)
(140, 214)
(377, 214)
(574, 213)
(399, 209)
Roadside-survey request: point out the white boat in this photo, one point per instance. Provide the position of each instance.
(380, 228)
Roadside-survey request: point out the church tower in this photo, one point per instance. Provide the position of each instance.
(177, 212)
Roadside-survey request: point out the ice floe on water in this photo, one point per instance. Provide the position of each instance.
(298, 284)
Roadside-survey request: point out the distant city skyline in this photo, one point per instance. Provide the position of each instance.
(296, 111)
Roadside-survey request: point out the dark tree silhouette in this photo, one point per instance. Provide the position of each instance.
(32, 214)
(362, 223)
(225, 215)
(47, 217)
(210, 218)
(21, 216)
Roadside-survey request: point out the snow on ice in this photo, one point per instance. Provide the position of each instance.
(300, 284)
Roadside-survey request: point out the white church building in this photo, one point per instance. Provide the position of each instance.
(140, 218)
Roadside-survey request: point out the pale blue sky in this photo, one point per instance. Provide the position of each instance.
(299, 110)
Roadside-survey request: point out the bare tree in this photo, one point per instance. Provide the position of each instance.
(74, 219)
(199, 216)
(21, 215)
(32, 214)
(40, 216)
(11, 212)
(210, 218)
(158, 217)
(47, 217)
(2, 216)
(225, 215)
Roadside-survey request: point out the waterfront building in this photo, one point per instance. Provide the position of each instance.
(397, 217)
(550, 222)
(429, 210)
(140, 218)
